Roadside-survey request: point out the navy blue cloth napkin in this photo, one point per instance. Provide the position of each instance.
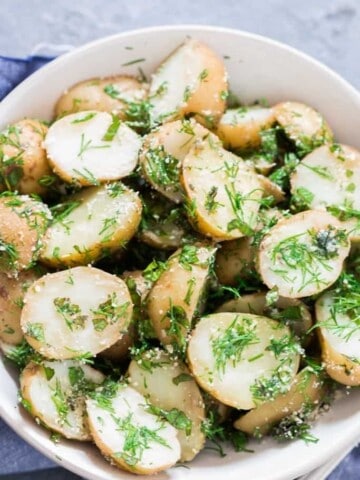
(16, 456)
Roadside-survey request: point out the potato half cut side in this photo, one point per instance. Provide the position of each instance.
(163, 152)
(90, 224)
(112, 95)
(23, 223)
(89, 148)
(329, 177)
(303, 125)
(12, 291)
(290, 311)
(303, 255)
(306, 392)
(337, 314)
(75, 313)
(243, 360)
(168, 386)
(54, 393)
(240, 128)
(223, 193)
(128, 434)
(192, 80)
(24, 166)
(176, 296)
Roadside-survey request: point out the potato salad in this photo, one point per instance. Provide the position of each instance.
(178, 270)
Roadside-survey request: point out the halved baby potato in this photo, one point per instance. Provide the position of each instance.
(12, 291)
(223, 193)
(167, 384)
(243, 360)
(176, 296)
(24, 164)
(339, 335)
(240, 128)
(128, 434)
(54, 393)
(91, 224)
(112, 95)
(163, 152)
(307, 390)
(303, 255)
(23, 223)
(290, 311)
(331, 177)
(75, 313)
(89, 148)
(303, 125)
(192, 80)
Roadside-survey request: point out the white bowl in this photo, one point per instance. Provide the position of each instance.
(258, 67)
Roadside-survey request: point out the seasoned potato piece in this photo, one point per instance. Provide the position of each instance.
(290, 311)
(12, 291)
(77, 312)
(307, 391)
(163, 225)
(303, 255)
(236, 258)
(90, 224)
(163, 152)
(127, 433)
(24, 166)
(243, 360)
(54, 393)
(303, 125)
(192, 80)
(112, 94)
(240, 127)
(352, 227)
(138, 287)
(89, 148)
(329, 177)
(173, 393)
(175, 297)
(337, 314)
(23, 223)
(223, 193)
(270, 189)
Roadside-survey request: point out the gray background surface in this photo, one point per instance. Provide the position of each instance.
(327, 29)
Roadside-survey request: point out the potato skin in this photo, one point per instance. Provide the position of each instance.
(90, 95)
(22, 142)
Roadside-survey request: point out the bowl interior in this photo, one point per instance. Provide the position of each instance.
(258, 68)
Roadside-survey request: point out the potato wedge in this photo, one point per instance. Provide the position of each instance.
(163, 225)
(303, 125)
(239, 128)
(303, 255)
(175, 298)
(91, 224)
(337, 314)
(290, 311)
(308, 389)
(54, 393)
(223, 193)
(329, 177)
(24, 166)
(192, 80)
(128, 434)
(168, 386)
(243, 360)
(112, 95)
(163, 152)
(12, 291)
(89, 148)
(23, 223)
(75, 313)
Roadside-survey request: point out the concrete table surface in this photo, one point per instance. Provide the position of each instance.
(327, 30)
